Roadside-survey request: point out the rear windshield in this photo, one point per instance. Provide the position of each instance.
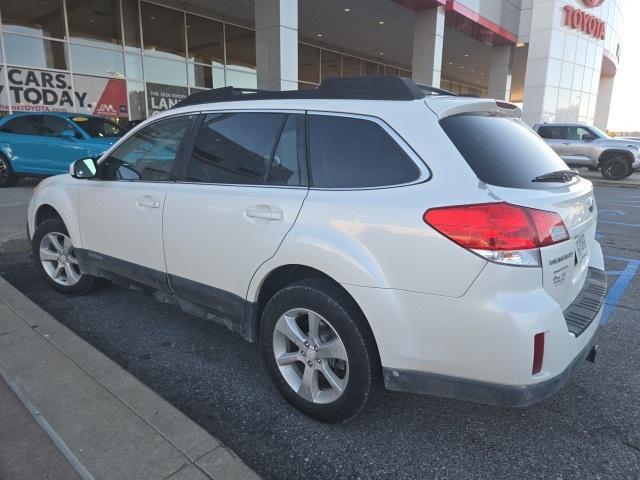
(502, 151)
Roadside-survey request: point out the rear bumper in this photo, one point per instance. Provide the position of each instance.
(483, 392)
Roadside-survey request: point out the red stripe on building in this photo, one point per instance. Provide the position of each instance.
(454, 6)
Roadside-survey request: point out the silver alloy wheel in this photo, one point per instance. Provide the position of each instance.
(58, 259)
(311, 356)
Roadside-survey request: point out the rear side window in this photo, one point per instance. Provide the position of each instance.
(552, 133)
(235, 148)
(24, 125)
(502, 151)
(347, 152)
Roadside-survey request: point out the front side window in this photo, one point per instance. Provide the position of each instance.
(149, 155)
(235, 148)
(97, 127)
(346, 152)
(54, 126)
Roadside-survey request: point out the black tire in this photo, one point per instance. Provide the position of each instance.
(616, 168)
(56, 225)
(594, 169)
(328, 300)
(7, 177)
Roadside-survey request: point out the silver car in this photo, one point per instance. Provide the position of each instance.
(582, 145)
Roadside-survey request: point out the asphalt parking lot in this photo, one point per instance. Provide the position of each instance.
(589, 430)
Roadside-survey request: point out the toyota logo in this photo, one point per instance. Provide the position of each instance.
(592, 3)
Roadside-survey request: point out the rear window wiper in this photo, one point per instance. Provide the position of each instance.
(559, 176)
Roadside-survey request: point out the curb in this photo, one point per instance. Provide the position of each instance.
(613, 183)
(101, 418)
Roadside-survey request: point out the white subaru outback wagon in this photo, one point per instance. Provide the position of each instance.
(369, 233)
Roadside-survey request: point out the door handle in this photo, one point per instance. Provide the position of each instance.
(264, 212)
(148, 202)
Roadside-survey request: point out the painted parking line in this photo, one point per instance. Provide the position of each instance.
(618, 289)
(620, 223)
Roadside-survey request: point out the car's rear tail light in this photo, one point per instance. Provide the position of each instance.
(538, 353)
(500, 232)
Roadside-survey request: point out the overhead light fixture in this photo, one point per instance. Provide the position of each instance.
(380, 53)
(319, 35)
(461, 67)
(347, 9)
(466, 54)
(450, 63)
(380, 22)
(520, 44)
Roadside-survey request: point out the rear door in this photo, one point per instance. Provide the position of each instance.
(508, 156)
(23, 135)
(239, 195)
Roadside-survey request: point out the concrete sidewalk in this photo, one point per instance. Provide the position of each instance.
(104, 422)
(13, 216)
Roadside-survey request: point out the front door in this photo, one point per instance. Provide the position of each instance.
(241, 193)
(121, 211)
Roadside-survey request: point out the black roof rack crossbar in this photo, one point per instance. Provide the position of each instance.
(357, 88)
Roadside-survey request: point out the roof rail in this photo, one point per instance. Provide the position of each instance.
(356, 88)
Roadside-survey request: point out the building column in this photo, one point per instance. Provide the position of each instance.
(428, 39)
(277, 44)
(603, 104)
(500, 72)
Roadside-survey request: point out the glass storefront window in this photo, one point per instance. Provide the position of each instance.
(35, 17)
(97, 61)
(163, 31)
(308, 63)
(241, 47)
(370, 68)
(95, 21)
(330, 64)
(405, 73)
(390, 71)
(133, 66)
(205, 40)
(200, 76)
(350, 66)
(240, 79)
(136, 100)
(35, 52)
(131, 22)
(160, 70)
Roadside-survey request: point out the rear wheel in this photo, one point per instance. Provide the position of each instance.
(616, 168)
(318, 350)
(56, 259)
(7, 177)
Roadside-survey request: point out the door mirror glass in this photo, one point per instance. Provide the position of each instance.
(84, 168)
(587, 137)
(68, 134)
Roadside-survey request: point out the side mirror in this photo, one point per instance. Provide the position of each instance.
(84, 168)
(68, 134)
(588, 138)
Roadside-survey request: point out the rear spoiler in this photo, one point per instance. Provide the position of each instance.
(445, 107)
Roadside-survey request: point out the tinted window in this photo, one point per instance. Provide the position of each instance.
(149, 155)
(97, 127)
(235, 148)
(502, 151)
(354, 153)
(552, 133)
(286, 164)
(25, 125)
(54, 126)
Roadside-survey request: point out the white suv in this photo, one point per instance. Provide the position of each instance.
(367, 233)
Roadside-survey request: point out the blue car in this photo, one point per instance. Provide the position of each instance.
(42, 144)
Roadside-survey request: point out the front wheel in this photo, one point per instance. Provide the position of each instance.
(56, 259)
(616, 168)
(7, 177)
(319, 350)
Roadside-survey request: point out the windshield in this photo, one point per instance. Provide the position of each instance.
(502, 151)
(98, 127)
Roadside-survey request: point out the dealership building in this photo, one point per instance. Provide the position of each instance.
(129, 59)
